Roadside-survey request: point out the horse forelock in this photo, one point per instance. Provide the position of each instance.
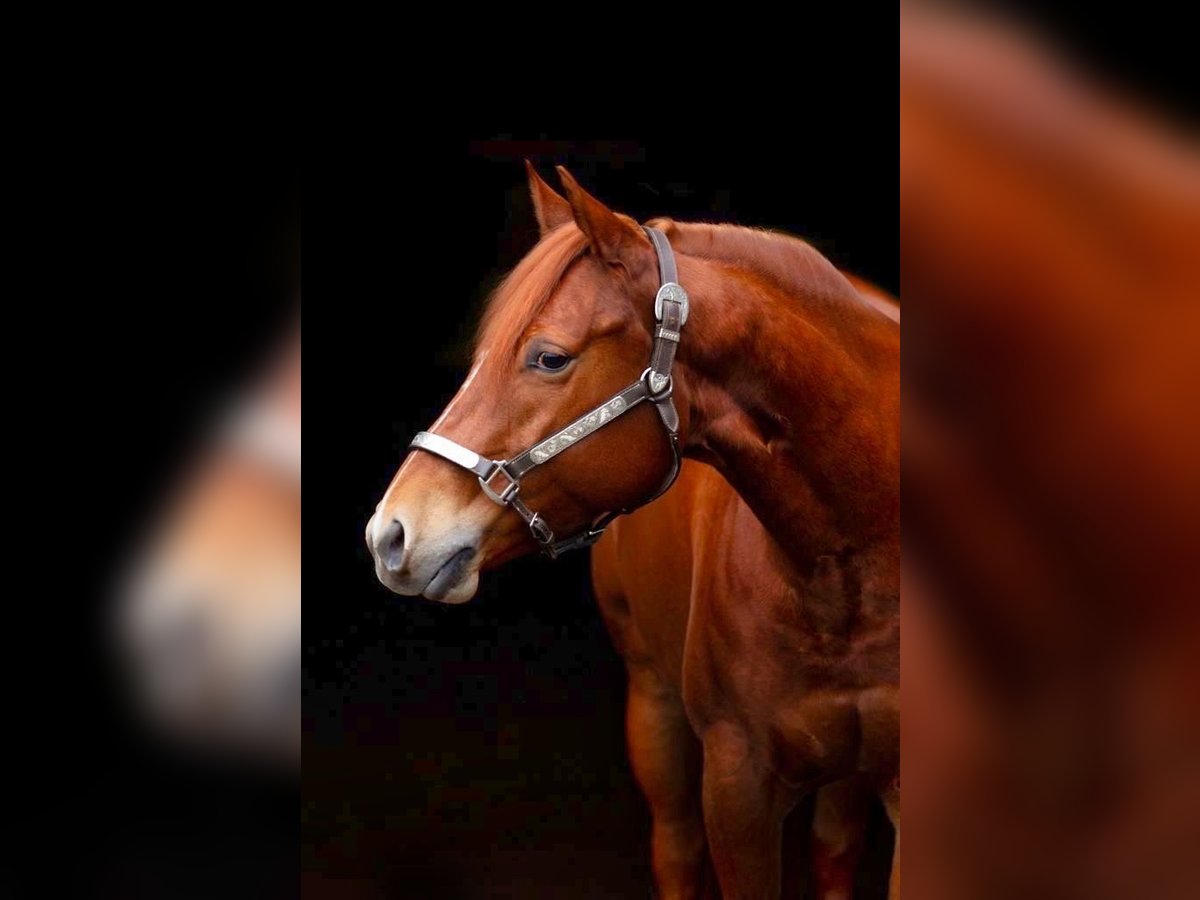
(526, 290)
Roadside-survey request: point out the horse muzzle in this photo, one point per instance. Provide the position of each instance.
(443, 567)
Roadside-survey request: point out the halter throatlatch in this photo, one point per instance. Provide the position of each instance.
(500, 479)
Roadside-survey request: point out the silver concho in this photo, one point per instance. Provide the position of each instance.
(671, 291)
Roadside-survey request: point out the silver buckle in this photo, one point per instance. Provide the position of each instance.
(675, 292)
(541, 531)
(504, 497)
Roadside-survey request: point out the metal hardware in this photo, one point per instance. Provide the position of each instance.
(672, 291)
(510, 490)
(659, 387)
(541, 531)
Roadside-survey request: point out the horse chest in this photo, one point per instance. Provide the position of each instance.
(807, 669)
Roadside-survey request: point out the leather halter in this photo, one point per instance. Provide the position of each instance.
(500, 479)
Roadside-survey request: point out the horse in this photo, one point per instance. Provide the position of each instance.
(209, 619)
(786, 382)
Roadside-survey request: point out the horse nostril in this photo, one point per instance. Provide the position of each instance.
(391, 546)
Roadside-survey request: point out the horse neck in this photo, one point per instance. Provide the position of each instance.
(791, 390)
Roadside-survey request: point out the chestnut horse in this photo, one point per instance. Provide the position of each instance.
(210, 623)
(787, 382)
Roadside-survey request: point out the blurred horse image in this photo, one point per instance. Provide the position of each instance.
(1052, 478)
(210, 621)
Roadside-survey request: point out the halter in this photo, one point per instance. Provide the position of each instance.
(500, 479)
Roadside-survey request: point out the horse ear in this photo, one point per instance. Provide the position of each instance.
(549, 206)
(613, 238)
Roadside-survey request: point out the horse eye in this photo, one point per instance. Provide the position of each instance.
(552, 362)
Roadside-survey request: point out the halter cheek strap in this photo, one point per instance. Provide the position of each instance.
(500, 479)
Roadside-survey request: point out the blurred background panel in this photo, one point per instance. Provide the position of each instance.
(1050, 207)
(171, 286)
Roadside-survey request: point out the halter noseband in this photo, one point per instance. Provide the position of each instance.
(500, 479)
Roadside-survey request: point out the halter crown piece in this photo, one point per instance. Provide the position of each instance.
(500, 479)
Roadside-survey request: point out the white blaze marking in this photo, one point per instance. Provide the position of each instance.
(462, 390)
(377, 520)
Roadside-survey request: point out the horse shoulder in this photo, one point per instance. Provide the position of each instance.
(643, 571)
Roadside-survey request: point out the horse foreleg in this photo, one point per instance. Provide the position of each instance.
(744, 808)
(839, 824)
(891, 802)
(666, 762)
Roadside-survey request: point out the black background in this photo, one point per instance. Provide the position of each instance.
(478, 750)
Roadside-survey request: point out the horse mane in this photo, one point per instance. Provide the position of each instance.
(832, 303)
(790, 262)
(527, 288)
(793, 265)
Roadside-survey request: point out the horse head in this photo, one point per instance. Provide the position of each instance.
(569, 328)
